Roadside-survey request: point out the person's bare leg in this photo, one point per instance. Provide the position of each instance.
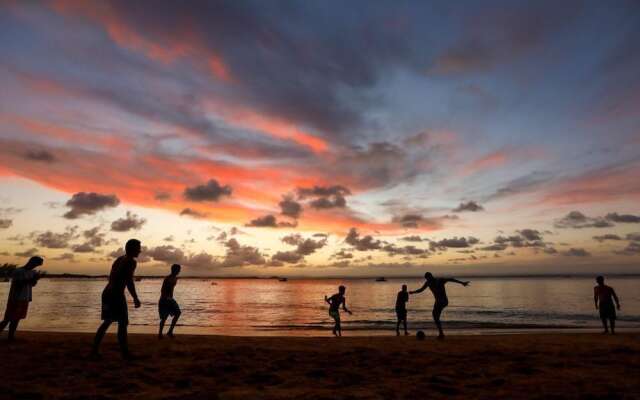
(162, 322)
(612, 322)
(102, 329)
(405, 327)
(122, 339)
(398, 328)
(13, 326)
(437, 311)
(174, 321)
(604, 324)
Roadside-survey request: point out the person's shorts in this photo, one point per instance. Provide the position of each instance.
(401, 314)
(168, 307)
(607, 311)
(335, 315)
(16, 310)
(114, 308)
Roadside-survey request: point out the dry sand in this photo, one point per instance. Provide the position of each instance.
(544, 366)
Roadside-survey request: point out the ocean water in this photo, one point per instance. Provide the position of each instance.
(296, 307)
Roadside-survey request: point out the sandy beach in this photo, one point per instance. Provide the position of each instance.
(54, 365)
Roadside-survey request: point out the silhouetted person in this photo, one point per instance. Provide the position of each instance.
(114, 302)
(167, 304)
(22, 281)
(603, 296)
(335, 302)
(436, 285)
(401, 309)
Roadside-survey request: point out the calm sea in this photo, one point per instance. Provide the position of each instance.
(296, 307)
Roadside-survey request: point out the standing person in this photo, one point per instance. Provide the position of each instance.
(335, 302)
(401, 309)
(167, 304)
(436, 285)
(22, 281)
(114, 302)
(603, 297)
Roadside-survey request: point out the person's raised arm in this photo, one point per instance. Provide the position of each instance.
(326, 299)
(131, 286)
(615, 297)
(463, 283)
(426, 285)
(595, 296)
(344, 306)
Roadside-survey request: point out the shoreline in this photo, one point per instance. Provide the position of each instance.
(546, 365)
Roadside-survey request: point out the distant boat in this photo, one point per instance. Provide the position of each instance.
(381, 279)
(282, 279)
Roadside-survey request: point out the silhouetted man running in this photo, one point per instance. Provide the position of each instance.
(335, 302)
(114, 302)
(401, 309)
(167, 304)
(22, 280)
(436, 285)
(603, 296)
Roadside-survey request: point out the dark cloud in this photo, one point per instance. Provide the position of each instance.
(89, 203)
(289, 207)
(325, 197)
(577, 220)
(494, 247)
(524, 184)
(239, 255)
(342, 255)
(576, 252)
(455, 242)
(27, 253)
(40, 156)
(83, 248)
(304, 247)
(53, 240)
(211, 191)
(129, 222)
(470, 206)
(393, 250)
(290, 257)
(270, 221)
(412, 238)
(293, 239)
(364, 243)
(5, 223)
(632, 249)
(608, 236)
(623, 218)
(65, 257)
(530, 234)
(162, 196)
(409, 220)
(190, 212)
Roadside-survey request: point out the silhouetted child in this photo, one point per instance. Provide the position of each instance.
(334, 308)
(603, 296)
(114, 302)
(167, 304)
(22, 281)
(401, 309)
(436, 285)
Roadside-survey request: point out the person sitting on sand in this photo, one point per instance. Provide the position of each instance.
(114, 302)
(401, 309)
(334, 308)
(603, 296)
(167, 304)
(20, 295)
(436, 285)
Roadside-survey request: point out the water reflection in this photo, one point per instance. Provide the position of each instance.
(250, 307)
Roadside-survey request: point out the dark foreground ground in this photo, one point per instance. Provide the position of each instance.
(538, 366)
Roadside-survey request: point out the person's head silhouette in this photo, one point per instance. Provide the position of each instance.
(404, 288)
(175, 269)
(600, 280)
(428, 276)
(133, 247)
(34, 262)
(342, 289)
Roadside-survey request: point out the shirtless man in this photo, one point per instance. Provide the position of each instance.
(167, 304)
(114, 303)
(335, 302)
(20, 295)
(401, 309)
(603, 297)
(436, 285)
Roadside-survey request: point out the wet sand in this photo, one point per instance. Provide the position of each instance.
(544, 366)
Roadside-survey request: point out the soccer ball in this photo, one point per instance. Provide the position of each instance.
(420, 335)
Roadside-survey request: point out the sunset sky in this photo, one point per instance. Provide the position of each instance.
(322, 138)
